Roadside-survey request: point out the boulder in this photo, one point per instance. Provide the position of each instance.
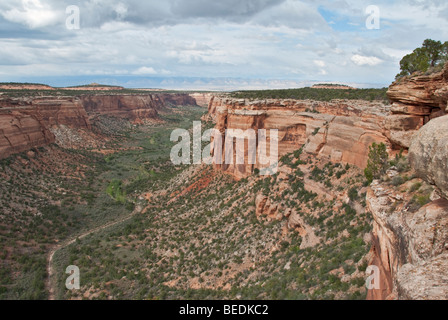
(428, 153)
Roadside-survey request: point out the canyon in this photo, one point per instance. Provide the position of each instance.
(318, 201)
(409, 247)
(340, 131)
(27, 122)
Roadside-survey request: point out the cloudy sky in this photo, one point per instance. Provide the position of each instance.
(225, 44)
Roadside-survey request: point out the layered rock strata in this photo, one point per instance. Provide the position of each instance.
(26, 123)
(411, 246)
(341, 131)
(415, 101)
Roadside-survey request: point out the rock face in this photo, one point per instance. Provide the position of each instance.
(339, 130)
(410, 248)
(132, 107)
(202, 99)
(49, 111)
(428, 153)
(177, 99)
(26, 123)
(415, 101)
(20, 132)
(136, 108)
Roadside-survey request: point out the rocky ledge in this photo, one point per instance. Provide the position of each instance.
(340, 130)
(411, 235)
(415, 101)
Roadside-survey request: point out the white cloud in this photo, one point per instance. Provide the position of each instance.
(34, 14)
(363, 60)
(145, 71)
(319, 63)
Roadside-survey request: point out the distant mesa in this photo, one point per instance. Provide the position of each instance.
(94, 87)
(332, 86)
(24, 86)
(38, 86)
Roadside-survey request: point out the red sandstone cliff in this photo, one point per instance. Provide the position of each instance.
(20, 132)
(410, 247)
(202, 99)
(26, 123)
(415, 101)
(341, 131)
(178, 99)
(132, 107)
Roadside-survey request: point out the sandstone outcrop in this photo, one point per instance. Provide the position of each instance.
(410, 248)
(415, 101)
(202, 99)
(20, 132)
(25, 123)
(341, 131)
(177, 99)
(428, 153)
(133, 107)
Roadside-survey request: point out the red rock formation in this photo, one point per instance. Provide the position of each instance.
(50, 111)
(409, 248)
(132, 107)
(20, 132)
(415, 101)
(339, 130)
(136, 108)
(25, 122)
(202, 99)
(177, 99)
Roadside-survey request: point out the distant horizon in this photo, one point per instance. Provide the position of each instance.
(190, 83)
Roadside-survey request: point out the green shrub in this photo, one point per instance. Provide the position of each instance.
(353, 194)
(377, 163)
(116, 191)
(423, 200)
(415, 187)
(397, 181)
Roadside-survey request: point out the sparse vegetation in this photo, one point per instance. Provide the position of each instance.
(315, 94)
(429, 58)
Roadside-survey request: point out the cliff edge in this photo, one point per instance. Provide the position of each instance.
(410, 206)
(415, 101)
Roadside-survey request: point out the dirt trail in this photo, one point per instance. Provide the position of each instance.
(70, 241)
